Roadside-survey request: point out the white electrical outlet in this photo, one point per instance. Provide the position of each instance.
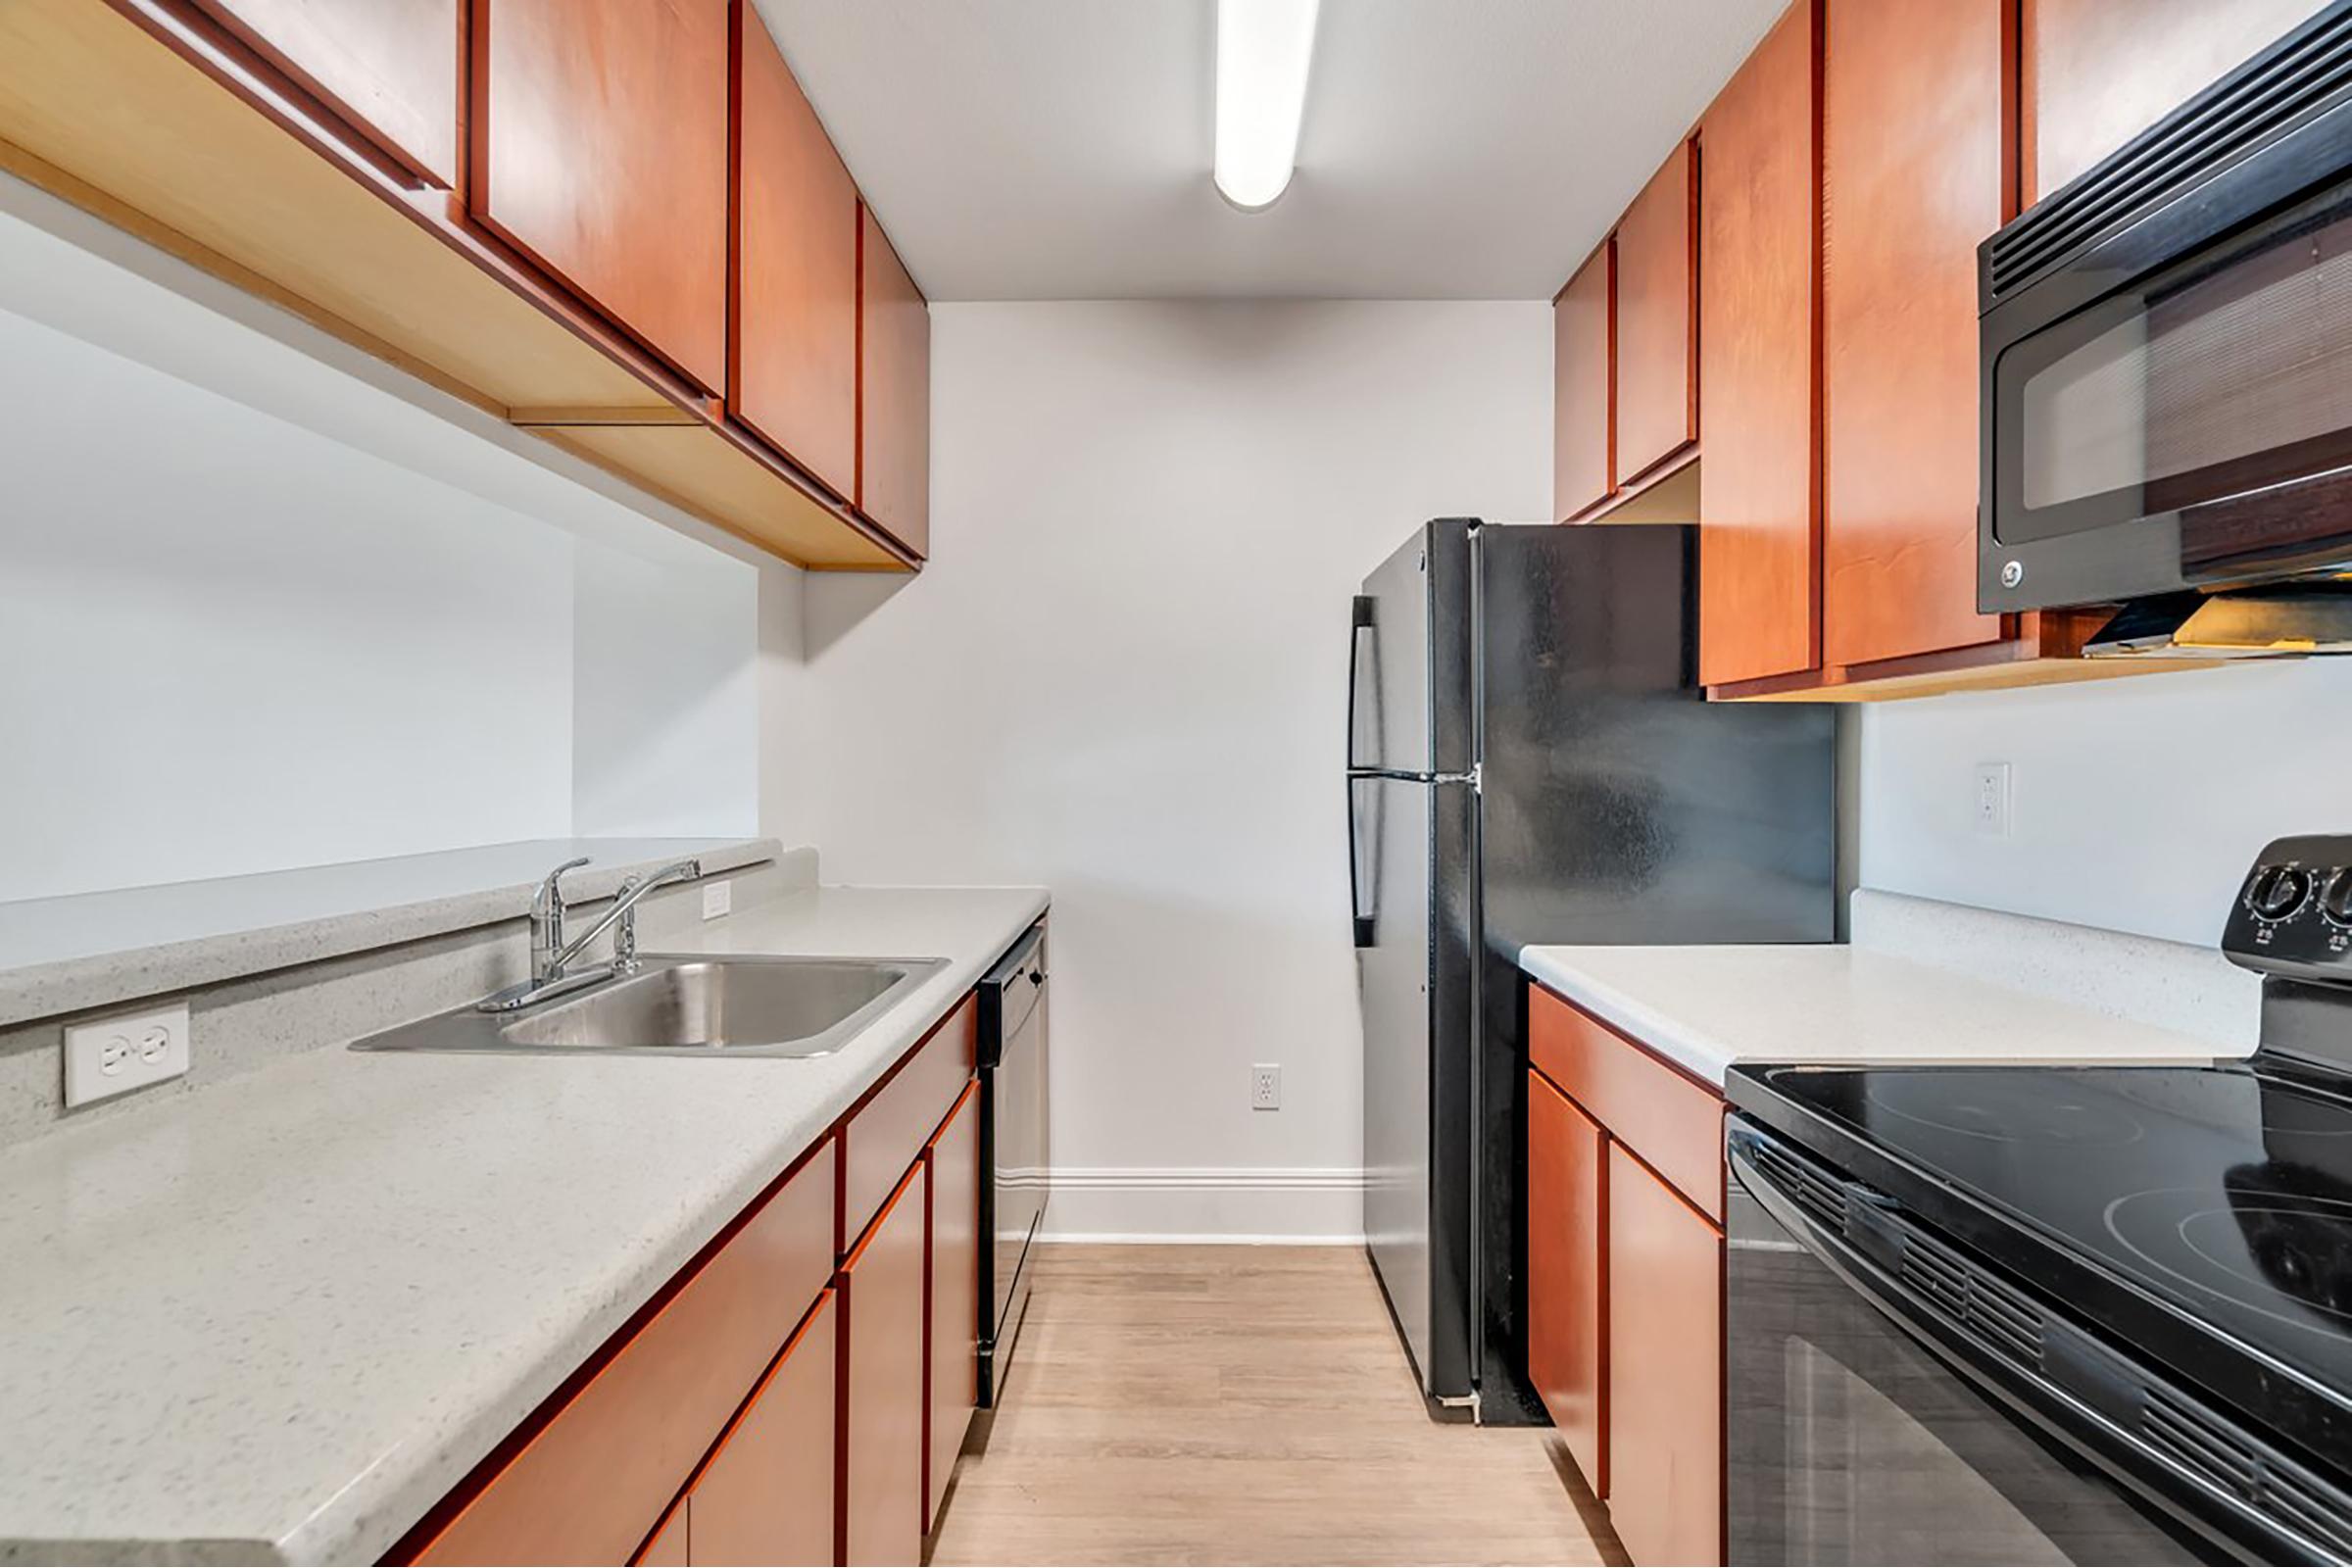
(1265, 1087)
(129, 1051)
(1992, 800)
(718, 898)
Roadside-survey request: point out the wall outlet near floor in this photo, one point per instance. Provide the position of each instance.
(129, 1051)
(718, 898)
(1265, 1086)
(1992, 800)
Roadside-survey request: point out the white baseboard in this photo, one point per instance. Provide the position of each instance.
(1222, 1204)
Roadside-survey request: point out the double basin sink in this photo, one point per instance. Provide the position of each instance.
(684, 1005)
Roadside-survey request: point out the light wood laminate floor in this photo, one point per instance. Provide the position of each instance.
(1241, 1404)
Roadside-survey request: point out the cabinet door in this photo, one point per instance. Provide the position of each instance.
(765, 1494)
(1567, 1330)
(954, 1309)
(1914, 174)
(2096, 73)
(1582, 371)
(1665, 1422)
(1760, 605)
(882, 1300)
(389, 67)
(792, 366)
(598, 148)
(894, 393)
(667, 1548)
(1657, 326)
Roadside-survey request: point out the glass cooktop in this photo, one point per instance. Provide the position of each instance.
(2213, 1203)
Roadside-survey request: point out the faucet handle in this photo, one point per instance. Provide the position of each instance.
(624, 928)
(550, 896)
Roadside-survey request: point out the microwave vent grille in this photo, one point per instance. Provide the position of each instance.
(2222, 124)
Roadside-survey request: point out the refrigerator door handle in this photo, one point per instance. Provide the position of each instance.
(1364, 919)
(1359, 626)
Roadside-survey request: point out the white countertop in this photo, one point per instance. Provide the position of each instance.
(277, 1319)
(1707, 1007)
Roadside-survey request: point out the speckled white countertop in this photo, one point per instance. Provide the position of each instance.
(278, 1319)
(2009, 989)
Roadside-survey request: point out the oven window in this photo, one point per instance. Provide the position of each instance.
(1849, 1443)
(2225, 377)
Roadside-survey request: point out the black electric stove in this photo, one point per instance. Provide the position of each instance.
(2148, 1269)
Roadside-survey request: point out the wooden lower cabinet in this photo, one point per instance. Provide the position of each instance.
(1625, 1273)
(765, 1494)
(882, 1382)
(954, 1308)
(1567, 1349)
(667, 1548)
(1665, 1411)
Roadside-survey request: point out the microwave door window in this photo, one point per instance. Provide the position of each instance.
(2224, 382)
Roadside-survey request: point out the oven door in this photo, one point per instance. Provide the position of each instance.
(1850, 1442)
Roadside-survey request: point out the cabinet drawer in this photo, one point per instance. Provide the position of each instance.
(594, 1478)
(887, 1133)
(767, 1494)
(1675, 1125)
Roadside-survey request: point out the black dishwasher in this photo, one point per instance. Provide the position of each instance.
(1015, 1148)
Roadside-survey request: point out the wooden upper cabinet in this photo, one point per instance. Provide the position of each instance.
(598, 148)
(1759, 590)
(388, 66)
(1657, 319)
(1665, 1414)
(894, 393)
(1567, 1335)
(792, 359)
(2096, 73)
(882, 1384)
(1583, 369)
(1915, 173)
(765, 1494)
(954, 1309)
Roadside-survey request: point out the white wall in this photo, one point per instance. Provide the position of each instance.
(2138, 804)
(257, 610)
(1121, 675)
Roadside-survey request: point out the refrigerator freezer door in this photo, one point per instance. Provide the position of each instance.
(1410, 687)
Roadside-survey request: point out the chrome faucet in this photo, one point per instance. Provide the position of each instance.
(552, 974)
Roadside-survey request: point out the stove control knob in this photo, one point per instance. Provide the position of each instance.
(2336, 899)
(2278, 892)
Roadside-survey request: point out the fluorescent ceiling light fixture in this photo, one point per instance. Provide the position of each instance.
(1263, 48)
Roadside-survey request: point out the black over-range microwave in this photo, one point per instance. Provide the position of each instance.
(2166, 372)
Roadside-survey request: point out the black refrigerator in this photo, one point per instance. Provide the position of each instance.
(1530, 760)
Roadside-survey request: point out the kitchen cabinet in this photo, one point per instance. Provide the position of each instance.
(882, 1382)
(792, 360)
(765, 1494)
(1567, 1162)
(388, 66)
(1758, 498)
(1656, 345)
(889, 1130)
(894, 392)
(953, 1310)
(667, 1548)
(1915, 173)
(1665, 1408)
(1625, 1275)
(2094, 74)
(599, 136)
(1583, 379)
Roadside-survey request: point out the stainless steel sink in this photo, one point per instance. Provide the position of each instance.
(683, 1004)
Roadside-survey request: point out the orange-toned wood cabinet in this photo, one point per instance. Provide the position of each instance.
(894, 392)
(1657, 382)
(1625, 1274)
(599, 136)
(1582, 387)
(389, 68)
(1759, 510)
(2096, 73)
(795, 1395)
(953, 1310)
(791, 345)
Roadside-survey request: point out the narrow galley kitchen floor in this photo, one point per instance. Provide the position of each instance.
(1243, 1405)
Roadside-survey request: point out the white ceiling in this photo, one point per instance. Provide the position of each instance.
(1060, 149)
